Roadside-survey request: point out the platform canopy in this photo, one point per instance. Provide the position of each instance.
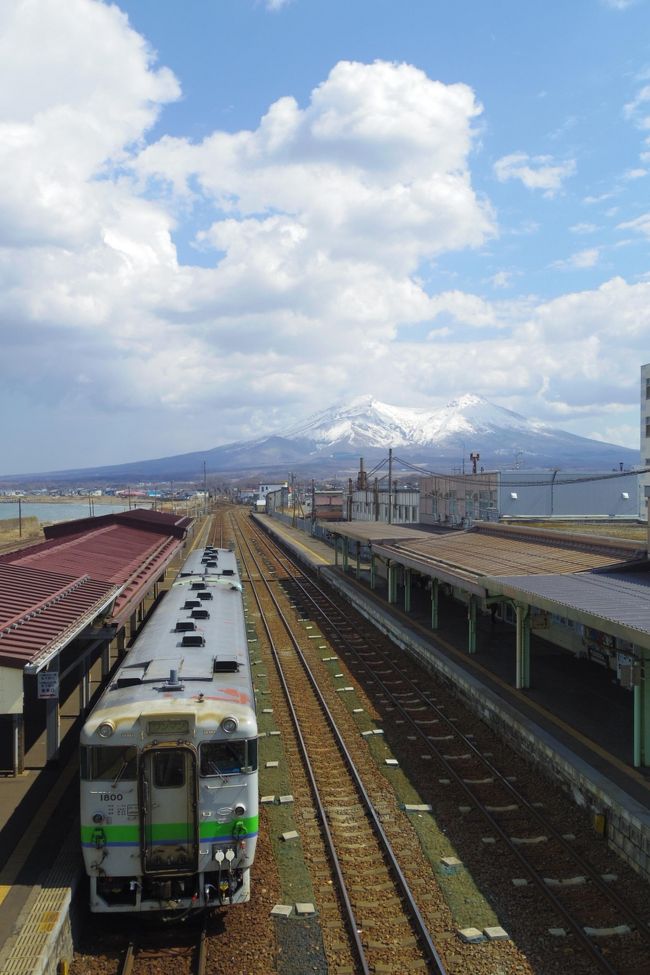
(373, 532)
(465, 558)
(41, 612)
(615, 602)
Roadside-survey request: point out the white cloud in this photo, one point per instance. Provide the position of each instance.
(322, 220)
(583, 228)
(638, 110)
(329, 210)
(633, 174)
(502, 279)
(535, 172)
(618, 4)
(580, 260)
(277, 4)
(640, 224)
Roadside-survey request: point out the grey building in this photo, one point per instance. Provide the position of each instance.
(458, 500)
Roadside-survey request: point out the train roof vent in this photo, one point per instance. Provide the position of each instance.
(182, 625)
(228, 572)
(225, 666)
(211, 563)
(198, 585)
(191, 603)
(195, 640)
(205, 595)
(200, 614)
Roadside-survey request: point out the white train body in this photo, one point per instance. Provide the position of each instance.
(169, 796)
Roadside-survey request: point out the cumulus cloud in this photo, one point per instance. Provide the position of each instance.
(535, 172)
(326, 213)
(640, 224)
(581, 259)
(375, 167)
(638, 110)
(322, 220)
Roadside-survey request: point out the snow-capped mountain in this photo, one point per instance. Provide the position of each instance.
(331, 442)
(367, 422)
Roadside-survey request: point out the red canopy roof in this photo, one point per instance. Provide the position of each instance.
(95, 557)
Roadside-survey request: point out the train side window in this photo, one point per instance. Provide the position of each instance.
(169, 769)
(108, 762)
(222, 757)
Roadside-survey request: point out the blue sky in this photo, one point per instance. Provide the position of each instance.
(219, 217)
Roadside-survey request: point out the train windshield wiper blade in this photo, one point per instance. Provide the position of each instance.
(125, 765)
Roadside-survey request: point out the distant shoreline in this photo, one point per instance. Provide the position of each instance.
(79, 499)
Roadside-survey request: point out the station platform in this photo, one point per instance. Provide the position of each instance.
(574, 719)
(40, 856)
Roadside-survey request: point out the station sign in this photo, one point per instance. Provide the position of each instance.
(47, 684)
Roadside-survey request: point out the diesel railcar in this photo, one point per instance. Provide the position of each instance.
(169, 794)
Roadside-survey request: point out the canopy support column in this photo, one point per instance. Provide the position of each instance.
(392, 581)
(84, 686)
(407, 590)
(471, 624)
(642, 713)
(358, 554)
(52, 720)
(522, 670)
(373, 571)
(434, 603)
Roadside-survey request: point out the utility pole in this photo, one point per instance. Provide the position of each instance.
(205, 490)
(390, 485)
(313, 505)
(20, 518)
(293, 500)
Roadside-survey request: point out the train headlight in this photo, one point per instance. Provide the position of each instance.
(239, 809)
(98, 818)
(229, 725)
(106, 729)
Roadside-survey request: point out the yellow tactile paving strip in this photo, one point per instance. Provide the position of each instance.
(28, 952)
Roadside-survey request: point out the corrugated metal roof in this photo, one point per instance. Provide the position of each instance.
(616, 602)
(464, 558)
(40, 610)
(111, 553)
(121, 558)
(375, 531)
(161, 522)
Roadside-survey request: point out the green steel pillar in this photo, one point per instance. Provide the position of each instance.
(336, 550)
(391, 581)
(373, 571)
(358, 559)
(471, 625)
(522, 670)
(407, 590)
(434, 604)
(345, 554)
(642, 712)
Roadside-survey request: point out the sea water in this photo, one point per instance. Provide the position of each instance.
(63, 511)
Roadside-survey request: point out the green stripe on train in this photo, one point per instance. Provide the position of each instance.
(165, 831)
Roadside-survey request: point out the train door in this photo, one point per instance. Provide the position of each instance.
(169, 802)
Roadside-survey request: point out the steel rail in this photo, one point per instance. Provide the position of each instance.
(419, 923)
(534, 875)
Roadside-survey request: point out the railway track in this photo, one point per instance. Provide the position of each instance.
(365, 869)
(583, 906)
(174, 951)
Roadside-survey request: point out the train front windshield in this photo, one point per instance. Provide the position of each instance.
(102, 762)
(227, 757)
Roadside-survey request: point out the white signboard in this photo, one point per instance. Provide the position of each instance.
(48, 684)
